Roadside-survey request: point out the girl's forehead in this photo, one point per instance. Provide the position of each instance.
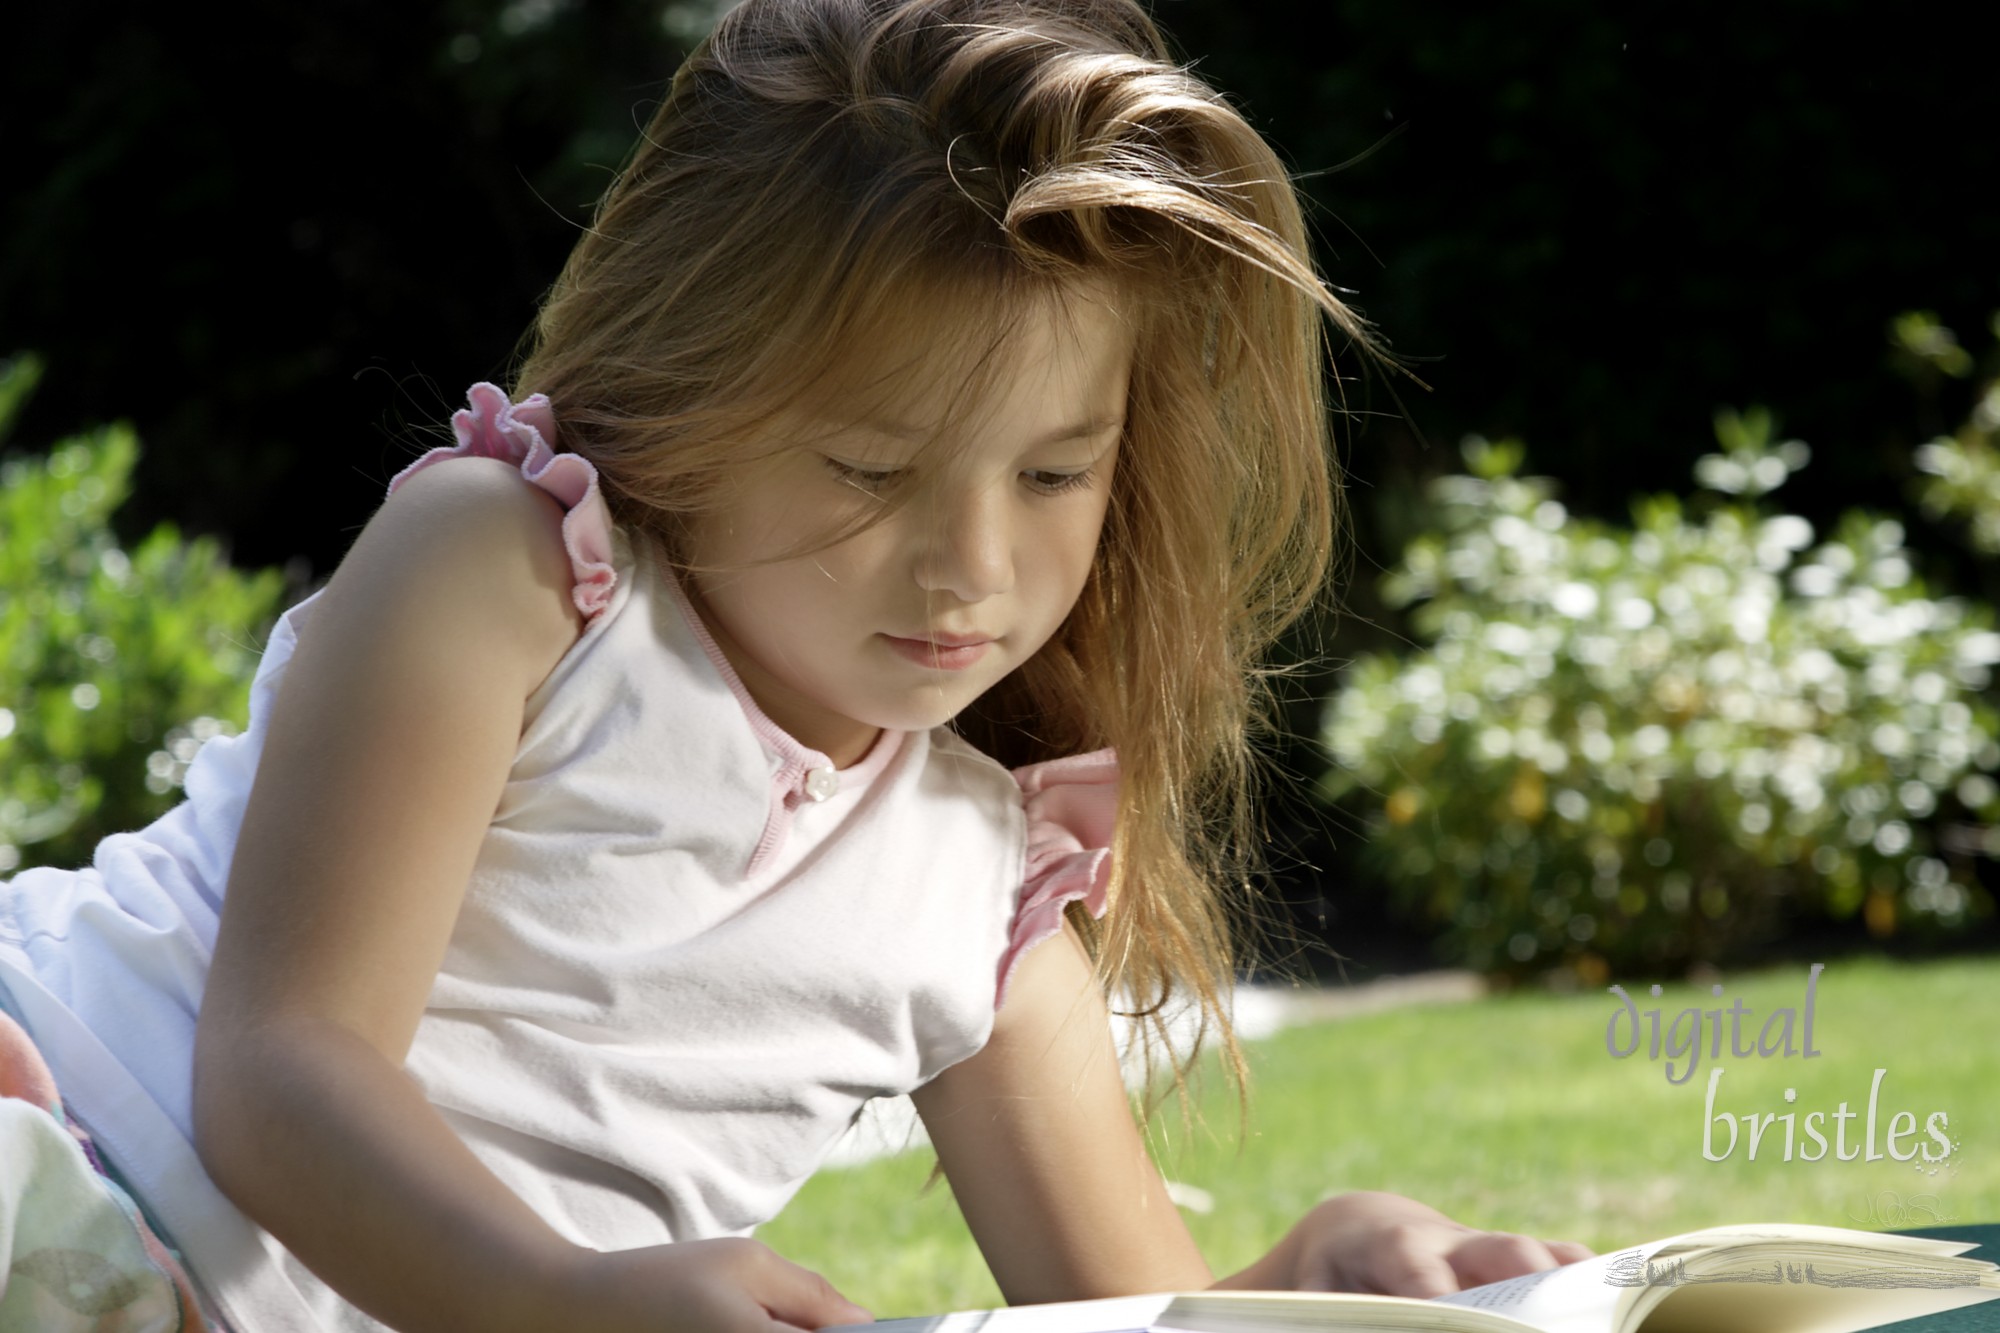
(912, 378)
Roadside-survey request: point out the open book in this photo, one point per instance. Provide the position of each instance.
(1738, 1279)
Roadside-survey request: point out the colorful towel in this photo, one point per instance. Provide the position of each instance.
(76, 1256)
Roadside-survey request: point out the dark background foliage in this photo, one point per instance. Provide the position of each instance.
(280, 239)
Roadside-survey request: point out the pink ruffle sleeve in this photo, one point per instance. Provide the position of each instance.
(1072, 809)
(492, 427)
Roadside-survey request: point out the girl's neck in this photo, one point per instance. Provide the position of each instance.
(841, 739)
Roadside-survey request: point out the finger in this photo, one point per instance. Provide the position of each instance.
(799, 1297)
(1494, 1256)
(1420, 1276)
(1569, 1251)
(1403, 1264)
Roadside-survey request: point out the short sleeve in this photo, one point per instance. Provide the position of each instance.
(1072, 810)
(490, 426)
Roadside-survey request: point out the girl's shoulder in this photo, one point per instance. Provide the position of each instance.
(497, 532)
(519, 438)
(495, 541)
(471, 554)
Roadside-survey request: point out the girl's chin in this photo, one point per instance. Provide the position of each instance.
(921, 709)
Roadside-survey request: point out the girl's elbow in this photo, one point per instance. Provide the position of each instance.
(240, 1075)
(220, 1109)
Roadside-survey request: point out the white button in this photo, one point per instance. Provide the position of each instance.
(821, 783)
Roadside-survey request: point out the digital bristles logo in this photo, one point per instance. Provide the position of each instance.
(1874, 1134)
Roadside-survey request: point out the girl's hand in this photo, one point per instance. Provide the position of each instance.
(1369, 1241)
(700, 1286)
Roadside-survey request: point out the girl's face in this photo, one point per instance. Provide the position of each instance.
(907, 622)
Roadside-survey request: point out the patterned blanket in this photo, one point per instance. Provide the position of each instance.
(76, 1256)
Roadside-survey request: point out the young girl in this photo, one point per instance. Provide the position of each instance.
(723, 734)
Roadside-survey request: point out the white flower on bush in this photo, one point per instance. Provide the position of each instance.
(1637, 746)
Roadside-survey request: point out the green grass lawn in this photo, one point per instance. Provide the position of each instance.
(1509, 1113)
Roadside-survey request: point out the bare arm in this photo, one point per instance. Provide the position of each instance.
(391, 740)
(393, 732)
(1038, 1141)
(1037, 1137)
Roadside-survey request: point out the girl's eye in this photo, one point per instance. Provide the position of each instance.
(876, 480)
(871, 479)
(1055, 483)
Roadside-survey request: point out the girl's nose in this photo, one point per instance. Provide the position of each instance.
(968, 546)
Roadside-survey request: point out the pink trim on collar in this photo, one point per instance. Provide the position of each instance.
(795, 762)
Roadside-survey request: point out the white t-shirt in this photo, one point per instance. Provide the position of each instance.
(689, 952)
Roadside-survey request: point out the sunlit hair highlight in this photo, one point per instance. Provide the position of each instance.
(828, 180)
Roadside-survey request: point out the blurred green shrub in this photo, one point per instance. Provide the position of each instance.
(114, 665)
(1962, 470)
(1635, 748)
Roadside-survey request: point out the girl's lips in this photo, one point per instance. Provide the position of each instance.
(945, 653)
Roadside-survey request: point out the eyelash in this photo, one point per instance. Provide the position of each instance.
(874, 482)
(1061, 482)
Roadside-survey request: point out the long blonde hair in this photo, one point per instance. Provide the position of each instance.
(824, 171)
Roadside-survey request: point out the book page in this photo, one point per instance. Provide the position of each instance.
(1611, 1291)
(1675, 1284)
(1879, 1242)
(1130, 1314)
(1216, 1312)
(1576, 1298)
(1749, 1308)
